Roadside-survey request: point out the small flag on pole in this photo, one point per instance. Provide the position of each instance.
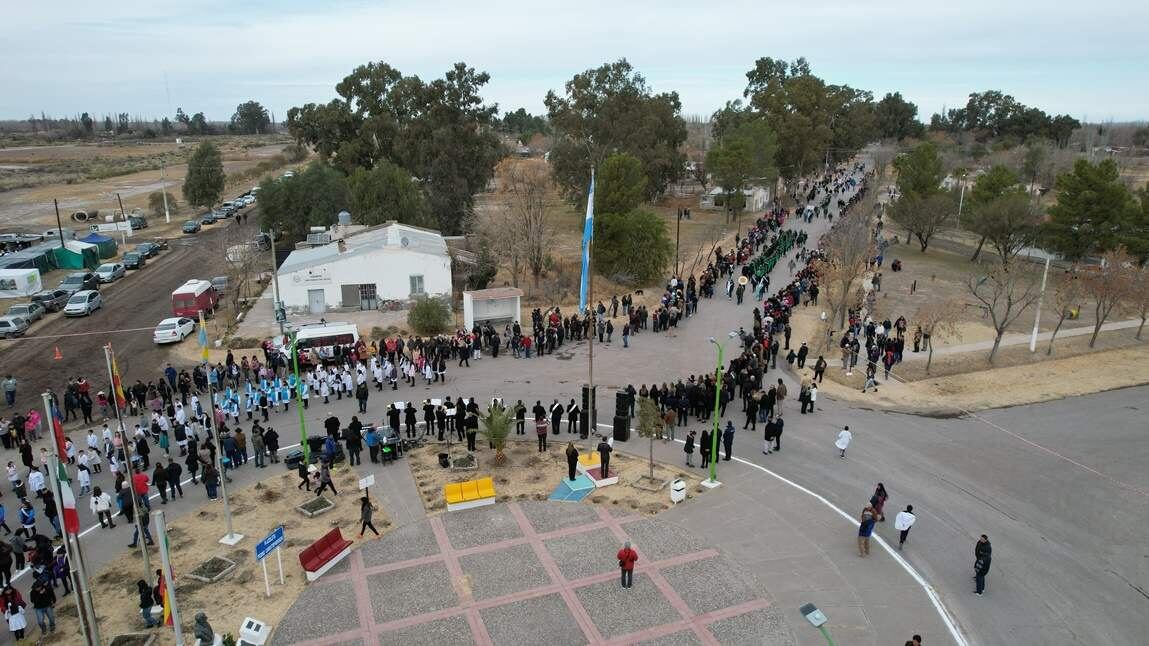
(203, 336)
(117, 382)
(165, 594)
(587, 236)
(68, 503)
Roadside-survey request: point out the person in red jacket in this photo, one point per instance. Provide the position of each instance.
(626, 559)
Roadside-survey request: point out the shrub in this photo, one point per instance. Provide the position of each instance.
(633, 245)
(430, 316)
(156, 203)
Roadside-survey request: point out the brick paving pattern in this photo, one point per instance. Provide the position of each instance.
(533, 573)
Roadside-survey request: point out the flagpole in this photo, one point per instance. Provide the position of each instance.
(169, 582)
(126, 446)
(231, 538)
(592, 418)
(79, 583)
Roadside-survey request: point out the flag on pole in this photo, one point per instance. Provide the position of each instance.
(58, 431)
(68, 504)
(203, 335)
(587, 236)
(165, 594)
(117, 382)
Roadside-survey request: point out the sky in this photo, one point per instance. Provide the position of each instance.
(64, 57)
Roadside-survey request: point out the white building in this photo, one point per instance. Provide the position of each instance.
(757, 198)
(389, 262)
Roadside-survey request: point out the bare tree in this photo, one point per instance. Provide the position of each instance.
(1110, 285)
(495, 225)
(1004, 295)
(698, 172)
(1139, 296)
(527, 198)
(938, 319)
(243, 263)
(1068, 292)
(849, 247)
(882, 156)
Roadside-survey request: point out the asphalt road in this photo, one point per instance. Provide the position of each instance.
(132, 307)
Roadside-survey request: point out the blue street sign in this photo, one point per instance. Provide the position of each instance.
(267, 545)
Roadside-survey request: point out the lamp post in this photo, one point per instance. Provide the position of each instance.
(713, 481)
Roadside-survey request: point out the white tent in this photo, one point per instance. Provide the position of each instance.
(18, 283)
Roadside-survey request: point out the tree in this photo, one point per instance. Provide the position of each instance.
(990, 186)
(123, 123)
(848, 250)
(108, 123)
(438, 131)
(250, 118)
(649, 425)
(897, 118)
(313, 197)
(205, 178)
(611, 109)
(631, 247)
(387, 192)
(197, 125)
(699, 173)
(1093, 210)
(429, 315)
(814, 121)
(523, 124)
(526, 200)
(1034, 161)
(1009, 223)
(923, 216)
(166, 126)
(1141, 138)
(620, 184)
(496, 426)
(87, 123)
(1110, 284)
(882, 156)
(1139, 296)
(938, 319)
(156, 203)
(744, 154)
(1068, 293)
(920, 171)
(1004, 295)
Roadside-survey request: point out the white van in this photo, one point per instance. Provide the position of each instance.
(320, 337)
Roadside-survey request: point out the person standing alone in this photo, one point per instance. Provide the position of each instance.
(983, 553)
(626, 560)
(903, 522)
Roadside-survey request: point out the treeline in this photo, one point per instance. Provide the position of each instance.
(995, 115)
(249, 118)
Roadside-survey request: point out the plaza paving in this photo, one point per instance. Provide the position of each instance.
(534, 573)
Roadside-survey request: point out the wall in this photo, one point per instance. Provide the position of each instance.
(389, 269)
(500, 309)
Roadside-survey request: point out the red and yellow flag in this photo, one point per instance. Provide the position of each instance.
(117, 383)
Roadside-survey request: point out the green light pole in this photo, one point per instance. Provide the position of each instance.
(713, 481)
(299, 398)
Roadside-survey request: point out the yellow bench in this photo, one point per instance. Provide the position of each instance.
(468, 494)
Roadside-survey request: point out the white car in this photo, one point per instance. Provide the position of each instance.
(173, 330)
(83, 303)
(110, 271)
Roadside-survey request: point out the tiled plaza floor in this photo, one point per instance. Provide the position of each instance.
(527, 573)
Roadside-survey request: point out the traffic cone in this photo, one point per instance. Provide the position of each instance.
(58, 355)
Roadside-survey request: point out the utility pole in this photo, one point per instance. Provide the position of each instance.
(277, 310)
(1037, 315)
(59, 225)
(164, 192)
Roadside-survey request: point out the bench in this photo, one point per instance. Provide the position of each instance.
(468, 494)
(323, 554)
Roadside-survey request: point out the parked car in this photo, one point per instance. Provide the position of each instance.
(149, 249)
(83, 303)
(53, 300)
(12, 326)
(192, 226)
(173, 330)
(110, 272)
(229, 206)
(137, 222)
(78, 281)
(30, 312)
(134, 260)
(208, 218)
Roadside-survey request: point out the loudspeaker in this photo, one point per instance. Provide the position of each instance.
(622, 402)
(292, 458)
(585, 421)
(621, 428)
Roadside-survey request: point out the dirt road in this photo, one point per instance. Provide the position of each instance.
(132, 308)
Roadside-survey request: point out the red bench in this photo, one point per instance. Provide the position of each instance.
(323, 554)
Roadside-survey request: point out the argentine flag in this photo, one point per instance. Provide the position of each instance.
(587, 236)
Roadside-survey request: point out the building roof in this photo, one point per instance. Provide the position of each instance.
(494, 293)
(391, 237)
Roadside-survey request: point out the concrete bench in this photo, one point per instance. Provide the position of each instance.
(468, 494)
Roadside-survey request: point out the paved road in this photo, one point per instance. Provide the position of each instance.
(141, 300)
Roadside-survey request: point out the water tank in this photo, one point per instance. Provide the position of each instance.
(344, 218)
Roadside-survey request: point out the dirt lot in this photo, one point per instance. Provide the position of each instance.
(194, 539)
(88, 176)
(529, 475)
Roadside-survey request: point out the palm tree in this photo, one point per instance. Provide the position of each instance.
(496, 426)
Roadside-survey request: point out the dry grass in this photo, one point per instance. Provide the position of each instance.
(530, 475)
(257, 509)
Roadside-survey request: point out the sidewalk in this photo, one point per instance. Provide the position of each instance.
(1021, 339)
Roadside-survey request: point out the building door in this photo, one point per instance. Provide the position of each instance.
(368, 298)
(316, 301)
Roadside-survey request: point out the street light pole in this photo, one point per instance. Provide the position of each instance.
(713, 481)
(1037, 315)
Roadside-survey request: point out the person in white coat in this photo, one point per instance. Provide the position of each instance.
(903, 522)
(17, 622)
(843, 441)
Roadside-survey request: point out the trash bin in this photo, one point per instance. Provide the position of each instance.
(444, 460)
(677, 491)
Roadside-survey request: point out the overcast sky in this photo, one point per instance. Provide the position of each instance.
(64, 57)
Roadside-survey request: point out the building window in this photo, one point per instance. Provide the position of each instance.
(417, 285)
